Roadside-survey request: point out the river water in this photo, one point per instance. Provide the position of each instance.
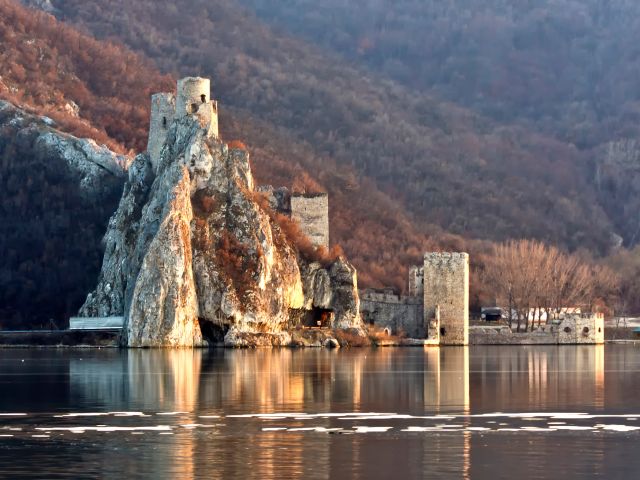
(478, 412)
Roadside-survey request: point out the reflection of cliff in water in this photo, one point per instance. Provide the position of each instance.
(442, 381)
(250, 381)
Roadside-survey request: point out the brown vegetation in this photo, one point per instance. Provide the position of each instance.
(528, 276)
(239, 268)
(401, 167)
(237, 145)
(49, 66)
(301, 242)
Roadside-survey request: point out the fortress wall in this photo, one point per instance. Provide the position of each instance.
(163, 107)
(573, 330)
(312, 214)
(446, 285)
(398, 314)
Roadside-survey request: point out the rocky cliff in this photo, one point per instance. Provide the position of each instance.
(194, 257)
(617, 181)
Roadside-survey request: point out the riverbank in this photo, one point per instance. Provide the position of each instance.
(59, 338)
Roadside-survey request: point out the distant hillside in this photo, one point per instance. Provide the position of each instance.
(58, 193)
(568, 67)
(442, 164)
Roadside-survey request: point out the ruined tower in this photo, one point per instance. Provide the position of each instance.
(416, 281)
(163, 107)
(193, 98)
(446, 285)
(311, 211)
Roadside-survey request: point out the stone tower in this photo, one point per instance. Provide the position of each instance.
(446, 285)
(416, 281)
(163, 107)
(311, 211)
(193, 98)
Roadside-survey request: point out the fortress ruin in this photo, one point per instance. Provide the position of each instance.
(193, 97)
(437, 307)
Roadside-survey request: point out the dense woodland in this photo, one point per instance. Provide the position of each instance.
(566, 67)
(445, 165)
(406, 172)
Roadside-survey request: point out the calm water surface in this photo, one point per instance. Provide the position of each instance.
(479, 412)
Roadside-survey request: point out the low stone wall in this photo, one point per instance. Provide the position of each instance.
(399, 314)
(573, 330)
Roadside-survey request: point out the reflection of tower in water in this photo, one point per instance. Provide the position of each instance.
(446, 380)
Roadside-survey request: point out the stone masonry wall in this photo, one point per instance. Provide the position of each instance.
(311, 211)
(573, 330)
(446, 284)
(194, 95)
(400, 314)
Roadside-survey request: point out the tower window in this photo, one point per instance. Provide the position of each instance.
(164, 122)
(194, 107)
(203, 97)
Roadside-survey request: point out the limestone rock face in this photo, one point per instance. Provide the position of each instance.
(617, 179)
(95, 165)
(191, 256)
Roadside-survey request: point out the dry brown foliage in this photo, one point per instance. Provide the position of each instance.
(236, 145)
(238, 266)
(347, 338)
(47, 64)
(527, 275)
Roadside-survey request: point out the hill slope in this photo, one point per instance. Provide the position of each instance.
(444, 165)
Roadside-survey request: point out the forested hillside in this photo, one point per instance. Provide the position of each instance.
(445, 165)
(567, 67)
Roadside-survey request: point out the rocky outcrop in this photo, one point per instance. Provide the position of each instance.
(95, 164)
(192, 256)
(617, 180)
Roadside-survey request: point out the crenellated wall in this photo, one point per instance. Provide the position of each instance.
(416, 281)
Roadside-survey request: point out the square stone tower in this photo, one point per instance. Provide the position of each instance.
(163, 109)
(446, 285)
(311, 211)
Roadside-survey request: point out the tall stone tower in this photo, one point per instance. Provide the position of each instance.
(446, 285)
(311, 211)
(163, 107)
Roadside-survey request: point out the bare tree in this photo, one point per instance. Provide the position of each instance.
(533, 279)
